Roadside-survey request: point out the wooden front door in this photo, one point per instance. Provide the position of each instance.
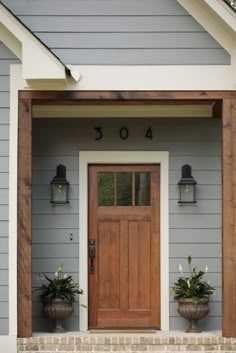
(124, 246)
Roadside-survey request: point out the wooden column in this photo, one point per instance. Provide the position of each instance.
(229, 218)
(24, 220)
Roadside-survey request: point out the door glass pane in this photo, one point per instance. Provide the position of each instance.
(124, 189)
(142, 189)
(105, 189)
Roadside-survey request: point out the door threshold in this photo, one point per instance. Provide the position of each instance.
(122, 330)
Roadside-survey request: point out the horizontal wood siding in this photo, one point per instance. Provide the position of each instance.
(133, 32)
(6, 58)
(194, 230)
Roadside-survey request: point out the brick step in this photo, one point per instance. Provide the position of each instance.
(159, 342)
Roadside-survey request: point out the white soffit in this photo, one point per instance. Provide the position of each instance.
(37, 60)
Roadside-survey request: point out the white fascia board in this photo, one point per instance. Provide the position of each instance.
(10, 41)
(37, 61)
(224, 11)
(143, 77)
(163, 78)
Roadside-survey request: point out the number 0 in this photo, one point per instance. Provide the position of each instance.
(124, 133)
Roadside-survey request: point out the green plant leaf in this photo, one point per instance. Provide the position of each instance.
(193, 286)
(59, 287)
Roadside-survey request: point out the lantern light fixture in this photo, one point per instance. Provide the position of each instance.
(60, 187)
(187, 186)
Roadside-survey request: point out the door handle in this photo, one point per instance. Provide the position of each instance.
(92, 253)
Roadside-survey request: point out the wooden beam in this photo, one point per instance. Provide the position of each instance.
(47, 96)
(229, 218)
(217, 109)
(130, 102)
(24, 222)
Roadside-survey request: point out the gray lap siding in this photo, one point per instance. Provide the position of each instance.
(132, 32)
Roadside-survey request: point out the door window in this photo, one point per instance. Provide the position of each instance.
(124, 189)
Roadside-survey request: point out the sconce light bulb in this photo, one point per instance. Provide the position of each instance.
(186, 188)
(59, 188)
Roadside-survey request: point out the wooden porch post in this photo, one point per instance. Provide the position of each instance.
(24, 222)
(229, 217)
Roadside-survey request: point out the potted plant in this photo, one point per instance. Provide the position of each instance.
(192, 294)
(57, 296)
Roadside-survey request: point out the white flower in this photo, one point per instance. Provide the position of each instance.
(59, 269)
(65, 276)
(181, 269)
(56, 274)
(206, 268)
(188, 282)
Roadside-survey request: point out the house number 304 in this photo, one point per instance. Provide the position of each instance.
(123, 133)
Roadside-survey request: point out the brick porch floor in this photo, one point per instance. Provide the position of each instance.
(208, 342)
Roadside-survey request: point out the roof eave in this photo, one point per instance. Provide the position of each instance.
(38, 61)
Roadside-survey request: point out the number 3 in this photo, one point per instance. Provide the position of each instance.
(99, 133)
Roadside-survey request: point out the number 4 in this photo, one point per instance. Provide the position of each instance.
(148, 134)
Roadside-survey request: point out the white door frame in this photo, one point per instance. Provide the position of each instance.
(124, 157)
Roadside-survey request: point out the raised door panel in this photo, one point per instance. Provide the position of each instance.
(108, 265)
(139, 265)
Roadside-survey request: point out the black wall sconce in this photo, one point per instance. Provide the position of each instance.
(187, 186)
(60, 187)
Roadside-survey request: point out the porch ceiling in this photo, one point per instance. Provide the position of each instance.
(124, 111)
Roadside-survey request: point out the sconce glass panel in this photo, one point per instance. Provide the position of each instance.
(60, 187)
(59, 193)
(187, 193)
(187, 186)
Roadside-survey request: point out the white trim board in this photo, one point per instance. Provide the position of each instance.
(145, 78)
(8, 344)
(16, 84)
(124, 157)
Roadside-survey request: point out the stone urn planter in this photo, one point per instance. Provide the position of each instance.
(57, 295)
(193, 312)
(57, 311)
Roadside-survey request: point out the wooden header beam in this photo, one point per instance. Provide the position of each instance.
(59, 96)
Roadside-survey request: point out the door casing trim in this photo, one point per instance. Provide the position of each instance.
(124, 157)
